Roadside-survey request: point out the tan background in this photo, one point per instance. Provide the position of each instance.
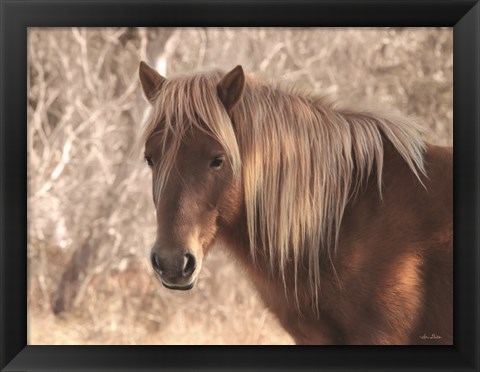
(90, 214)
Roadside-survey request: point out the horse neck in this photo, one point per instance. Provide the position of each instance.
(395, 172)
(235, 239)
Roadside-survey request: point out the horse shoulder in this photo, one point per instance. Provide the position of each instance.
(394, 257)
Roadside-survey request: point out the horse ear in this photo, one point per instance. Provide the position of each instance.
(230, 87)
(150, 79)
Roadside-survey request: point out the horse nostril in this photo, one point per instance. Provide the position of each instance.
(189, 265)
(157, 266)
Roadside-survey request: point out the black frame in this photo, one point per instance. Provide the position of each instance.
(16, 16)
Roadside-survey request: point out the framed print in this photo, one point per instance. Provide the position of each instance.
(239, 186)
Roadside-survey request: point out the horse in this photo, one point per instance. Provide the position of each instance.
(341, 216)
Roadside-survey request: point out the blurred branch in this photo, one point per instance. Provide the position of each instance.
(81, 37)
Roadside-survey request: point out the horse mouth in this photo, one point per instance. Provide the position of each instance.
(179, 287)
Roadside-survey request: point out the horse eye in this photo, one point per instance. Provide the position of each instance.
(217, 162)
(149, 161)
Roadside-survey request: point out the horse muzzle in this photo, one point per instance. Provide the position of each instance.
(177, 273)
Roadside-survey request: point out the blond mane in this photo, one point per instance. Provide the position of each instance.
(301, 159)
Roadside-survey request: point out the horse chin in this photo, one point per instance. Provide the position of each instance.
(178, 287)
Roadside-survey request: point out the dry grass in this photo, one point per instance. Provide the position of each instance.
(221, 309)
(91, 219)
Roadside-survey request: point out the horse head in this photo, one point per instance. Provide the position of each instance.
(195, 190)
